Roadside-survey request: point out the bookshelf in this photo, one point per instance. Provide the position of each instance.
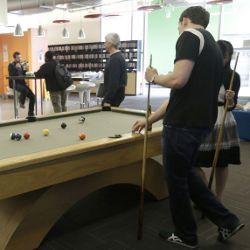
(93, 56)
(83, 57)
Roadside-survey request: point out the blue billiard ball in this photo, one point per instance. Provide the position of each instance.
(18, 137)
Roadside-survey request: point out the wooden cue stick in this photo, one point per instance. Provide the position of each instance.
(143, 172)
(220, 132)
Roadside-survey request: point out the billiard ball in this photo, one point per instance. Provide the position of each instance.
(82, 119)
(26, 135)
(82, 136)
(18, 137)
(12, 136)
(45, 132)
(63, 125)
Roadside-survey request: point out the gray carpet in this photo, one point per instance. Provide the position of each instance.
(107, 219)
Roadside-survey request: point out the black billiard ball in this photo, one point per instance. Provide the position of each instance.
(12, 136)
(63, 125)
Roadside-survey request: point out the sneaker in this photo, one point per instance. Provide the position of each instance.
(225, 233)
(177, 240)
(31, 118)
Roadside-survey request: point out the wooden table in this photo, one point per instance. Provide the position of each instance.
(43, 177)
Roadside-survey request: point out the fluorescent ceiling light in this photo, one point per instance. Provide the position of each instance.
(18, 30)
(65, 33)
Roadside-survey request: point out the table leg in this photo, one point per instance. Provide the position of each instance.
(35, 97)
(41, 90)
(88, 98)
(15, 100)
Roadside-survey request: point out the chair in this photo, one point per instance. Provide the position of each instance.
(70, 89)
(99, 91)
(83, 88)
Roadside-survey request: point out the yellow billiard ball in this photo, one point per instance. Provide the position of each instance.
(45, 132)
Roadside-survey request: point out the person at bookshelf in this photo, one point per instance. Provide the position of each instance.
(58, 96)
(115, 73)
(19, 68)
(189, 116)
(230, 145)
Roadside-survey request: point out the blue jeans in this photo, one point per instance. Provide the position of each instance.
(180, 147)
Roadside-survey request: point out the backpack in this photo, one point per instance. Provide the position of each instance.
(63, 76)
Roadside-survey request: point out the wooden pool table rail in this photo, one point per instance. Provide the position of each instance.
(37, 189)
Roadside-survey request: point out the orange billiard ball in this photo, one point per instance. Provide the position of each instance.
(26, 135)
(82, 136)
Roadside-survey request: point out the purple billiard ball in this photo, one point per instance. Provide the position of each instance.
(18, 136)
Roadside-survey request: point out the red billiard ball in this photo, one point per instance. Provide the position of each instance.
(26, 135)
(82, 136)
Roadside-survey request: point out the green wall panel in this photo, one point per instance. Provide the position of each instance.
(163, 33)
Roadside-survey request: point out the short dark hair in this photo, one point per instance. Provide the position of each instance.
(197, 15)
(15, 54)
(49, 55)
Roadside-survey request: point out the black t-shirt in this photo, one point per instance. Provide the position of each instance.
(195, 105)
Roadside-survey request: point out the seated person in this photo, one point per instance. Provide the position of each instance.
(17, 68)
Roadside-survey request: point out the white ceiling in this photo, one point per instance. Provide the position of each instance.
(45, 11)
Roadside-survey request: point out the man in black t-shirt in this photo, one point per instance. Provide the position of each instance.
(188, 116)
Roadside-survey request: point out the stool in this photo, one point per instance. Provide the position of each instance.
(10, 93)
(99, 86)
(83, 88)
(70, 89)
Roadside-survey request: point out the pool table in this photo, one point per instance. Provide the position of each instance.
(43, 177)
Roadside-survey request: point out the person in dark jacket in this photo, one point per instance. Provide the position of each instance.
(57, 95)
(115, 73)
(18, 68)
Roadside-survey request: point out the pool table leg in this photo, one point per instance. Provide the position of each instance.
(26, 219)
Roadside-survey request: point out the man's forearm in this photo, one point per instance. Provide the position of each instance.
(159, 113)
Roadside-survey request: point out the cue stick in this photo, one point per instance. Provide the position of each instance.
(143, 171)
(220, 131)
